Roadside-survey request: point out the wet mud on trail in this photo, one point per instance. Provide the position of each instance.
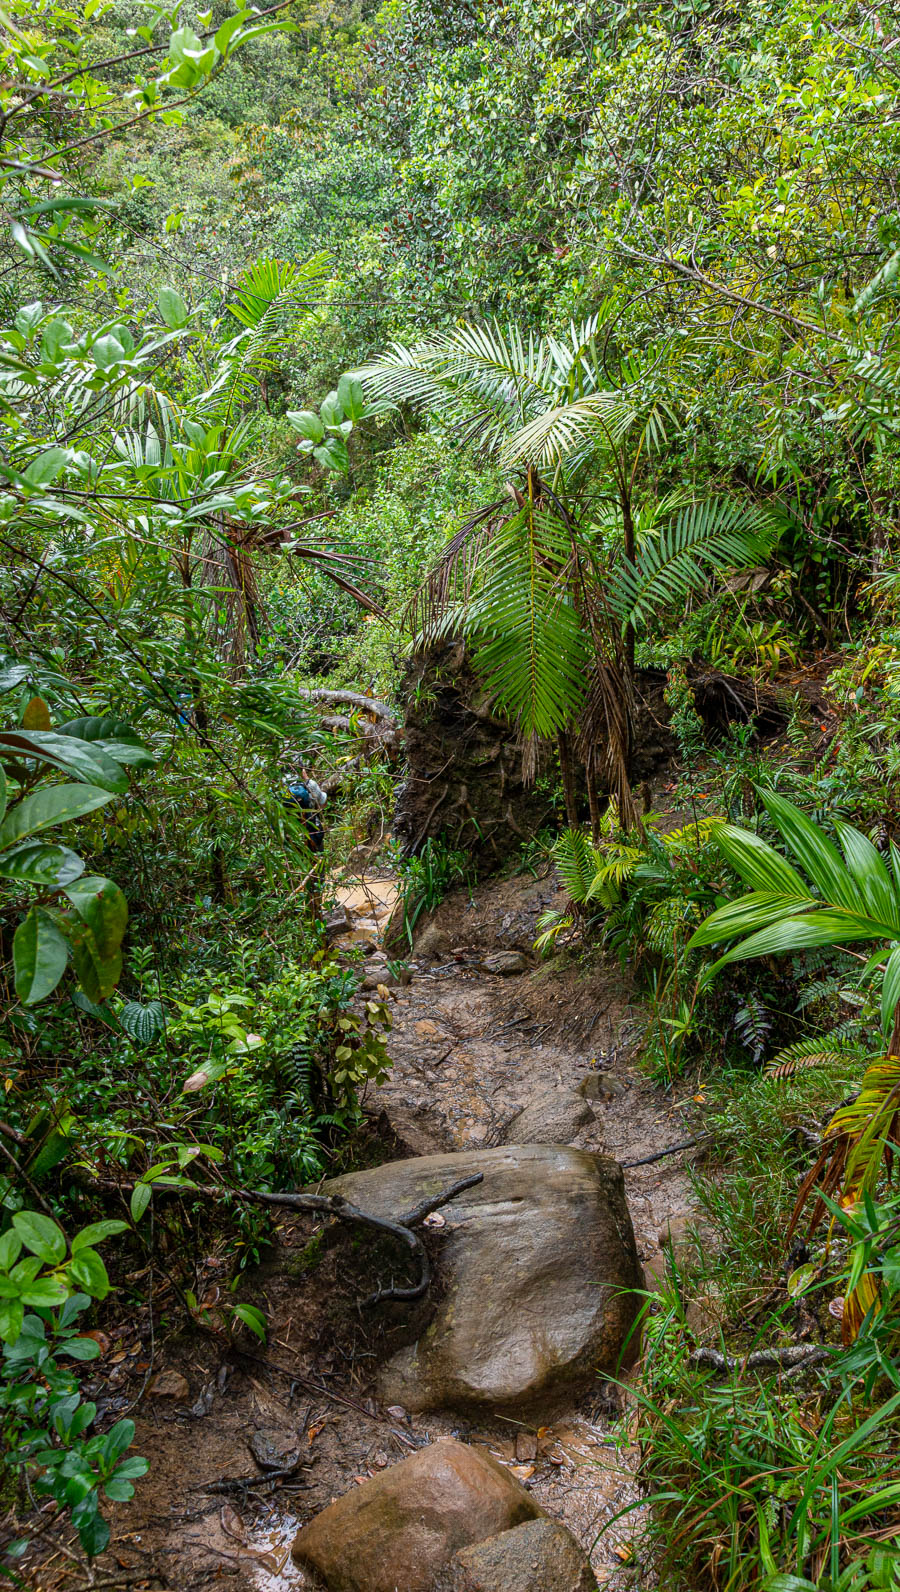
(246, 1444)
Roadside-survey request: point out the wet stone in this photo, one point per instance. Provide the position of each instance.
(401, 1527)
(274, 1449)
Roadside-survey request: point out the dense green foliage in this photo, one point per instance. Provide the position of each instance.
(568, 328)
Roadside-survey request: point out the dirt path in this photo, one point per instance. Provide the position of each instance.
(470, 1048)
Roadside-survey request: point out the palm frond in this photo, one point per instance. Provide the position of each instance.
(576, 863)
(602, 417)
(677, 559)
(486, 380)
(529, 644)
(806, 1053)
(266, 281)
(275, 301)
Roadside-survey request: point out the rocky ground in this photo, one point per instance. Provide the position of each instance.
(490, 1049)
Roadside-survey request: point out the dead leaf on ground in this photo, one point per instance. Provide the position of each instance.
(232, 1523)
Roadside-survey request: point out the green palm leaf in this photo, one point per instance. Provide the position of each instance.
(850, 899)
(530, 644)
(677, 559)
(488, 381)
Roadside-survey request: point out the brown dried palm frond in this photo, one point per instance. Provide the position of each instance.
(447, 588)
(603, 741)
(858, 1142)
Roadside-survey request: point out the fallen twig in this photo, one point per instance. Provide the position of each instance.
(238, 1484)
(660, 1155)
(796, 1355)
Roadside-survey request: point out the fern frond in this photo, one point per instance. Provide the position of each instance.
(668, 922)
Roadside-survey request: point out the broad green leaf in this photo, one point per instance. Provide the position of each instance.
(4, 789)
(871, 875)
(800, 934)
(39, 863)
(307, 423)
(117, 1439)
(41, 1235)
(751, 912)
(351, 397)
(102, 907)
(107, 352)
(25, 1271)
(10, 1248)
(172, 307)
(332, 455)
(118, 1489)
(12, 1314)
(12, 674)
(97, 977)
(93, 1532)
(100, 727)
(87, 762)
(116, 739)
(141, 1196)
(45, 468)
(229, 27)
(45, 1292)
(142, 1023)
(890, 990)
(101, 1014)
(814, 852)
(88, 1269)
(40, 954)
(331, 410)
(759, 864)
(96, 1232)
(57, 804)
(55, 336)
(80, 1349)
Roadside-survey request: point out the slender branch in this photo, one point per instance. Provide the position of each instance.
(660, 1155)
(19, 1172)
(333, 1205)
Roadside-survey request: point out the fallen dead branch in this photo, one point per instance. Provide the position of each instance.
(333, 1205)
(795, 1356)
(353, 699)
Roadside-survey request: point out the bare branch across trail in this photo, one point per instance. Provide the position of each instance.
(333, 1205)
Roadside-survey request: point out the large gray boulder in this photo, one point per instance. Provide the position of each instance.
(400, 1529)
(534, 1276)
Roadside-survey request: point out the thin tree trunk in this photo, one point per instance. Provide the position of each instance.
(568, 779)
(590, 774)
(629, 549)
